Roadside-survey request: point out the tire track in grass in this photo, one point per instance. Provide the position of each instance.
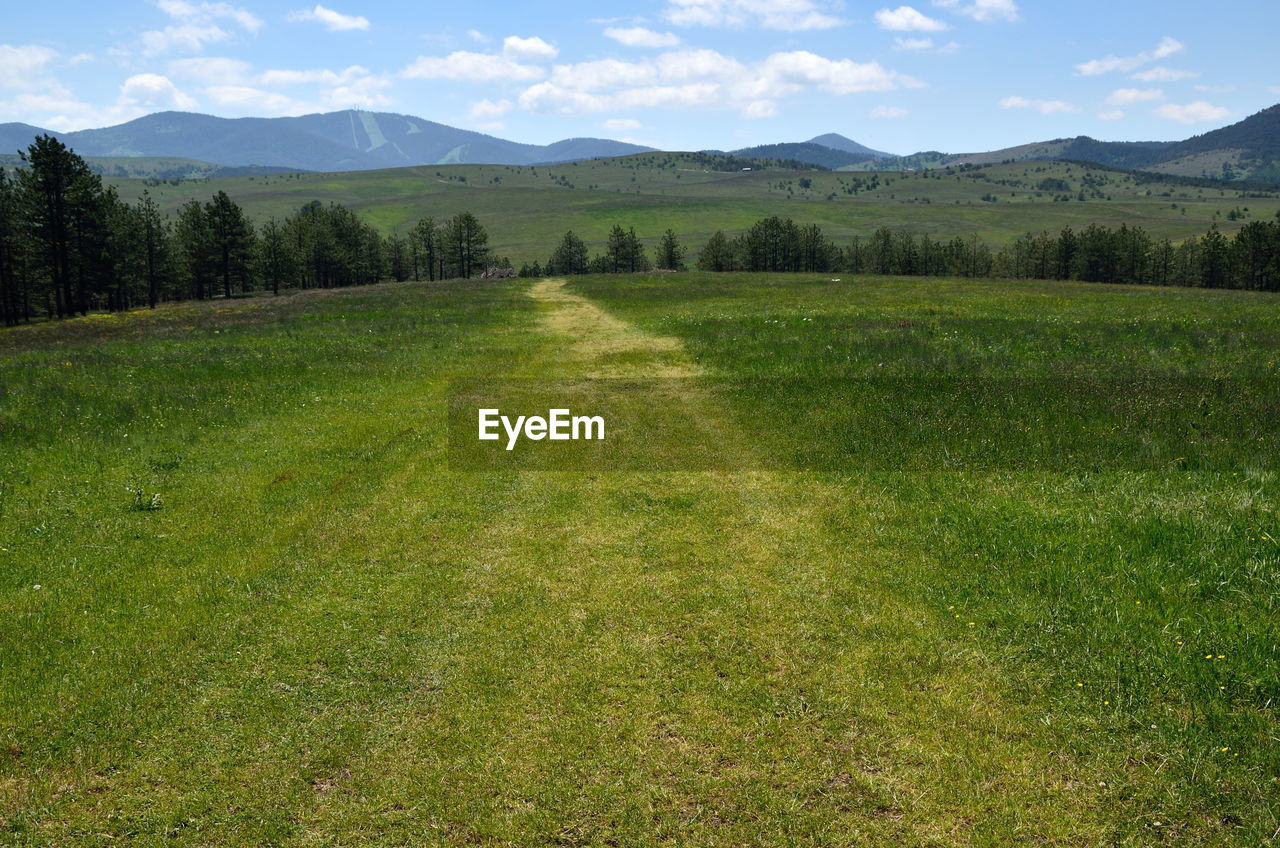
(694, 658)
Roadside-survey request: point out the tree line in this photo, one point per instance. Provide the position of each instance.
(69, 245)
(1248, 260)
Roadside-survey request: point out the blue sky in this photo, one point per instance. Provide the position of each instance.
(952, 75)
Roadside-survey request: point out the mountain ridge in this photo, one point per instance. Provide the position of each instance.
(356, 140)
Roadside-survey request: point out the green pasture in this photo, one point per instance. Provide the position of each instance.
(245, 599)
(527, 210)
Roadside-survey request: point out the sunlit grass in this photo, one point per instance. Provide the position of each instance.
(320, 633)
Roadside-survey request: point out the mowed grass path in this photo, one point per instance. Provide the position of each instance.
(324, 635)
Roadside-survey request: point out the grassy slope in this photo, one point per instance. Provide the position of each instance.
(527, 210)
(326, 636)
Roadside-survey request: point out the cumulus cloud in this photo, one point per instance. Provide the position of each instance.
(983, 11)
(703, 79)
(888, 112)
(1163, 74)
(1130, 96)
(1193, 113)
(58, 109)
(232, 83)
(253, 100)
(465, 66)
(200, 12)
(786, 15)
(190, 38)
(528, 49)
(478, 37)
(196, 24)
(1167, 47)
(1112, 115)
(487, 110)
(1044, 107)
(153, 91)
(24, 67)
(907, 19)
(331, 20)
(641, 37)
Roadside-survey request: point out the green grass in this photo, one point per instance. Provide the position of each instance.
(308, 628)
(527, 210)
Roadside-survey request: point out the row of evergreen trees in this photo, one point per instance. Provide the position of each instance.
(69, 245)
(623, 253)
(1249, 260)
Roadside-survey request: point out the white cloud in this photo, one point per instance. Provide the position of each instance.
(1044, 107)
(983, 11)
(196, 25)
(1130, 96)
(487, 110)
(348, 76)
(913, 44)
(786, 15)
(253, 101)
(1163, 74)
(464, 66)
(528, 49)
(362, 93)
(888, 112)
(331, 20)
(1193, 113)
(1216, 89)
(604, 74)
(1274, 89)
(641, 37)
(140, 94)
(1112, 115)
(838, 76)
(151, 92)
(907, 19)
(686, 65)
(24, 67)
(703, 79)
(621, 124)
(204, 12)
(1167, 47)
(232, 83)
(188, 37)
(478, 37)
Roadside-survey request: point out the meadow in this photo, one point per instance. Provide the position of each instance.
(247, 599)
(526, 210)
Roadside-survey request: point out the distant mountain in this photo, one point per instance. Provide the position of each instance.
(356, 140)
(838, 142)
(337, 141)
(812, 154)
(1246, 150)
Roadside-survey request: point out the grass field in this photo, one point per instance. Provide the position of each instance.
(527, 210)
(246, 600)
